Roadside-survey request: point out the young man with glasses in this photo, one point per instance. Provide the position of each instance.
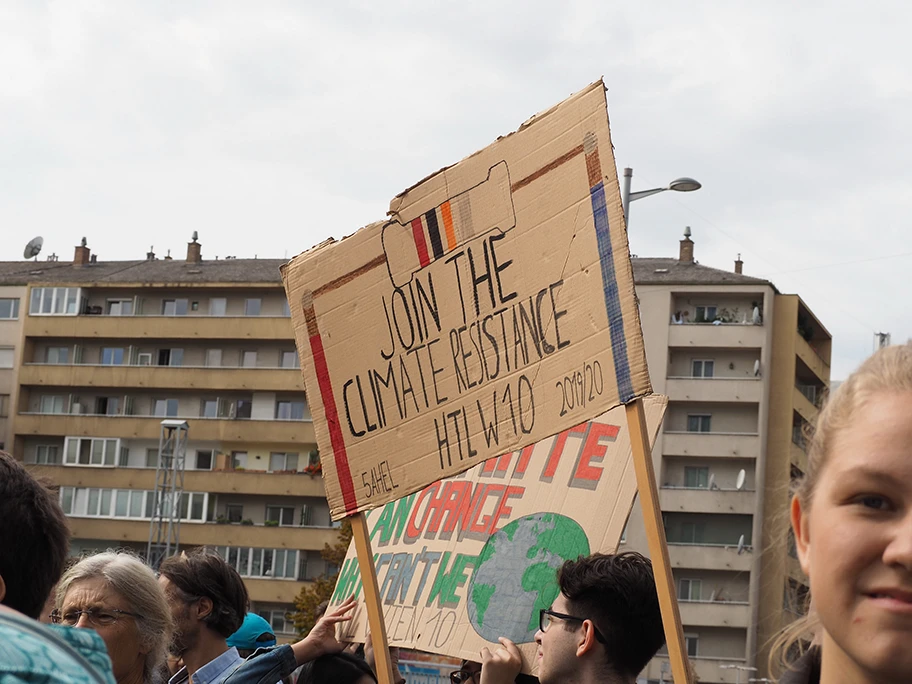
(603, 627)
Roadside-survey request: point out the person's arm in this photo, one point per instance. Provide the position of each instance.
(322, 638)
(502, 666)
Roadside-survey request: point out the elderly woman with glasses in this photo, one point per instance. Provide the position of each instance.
(118, 596)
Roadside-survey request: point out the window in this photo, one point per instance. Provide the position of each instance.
(170, 357)
(144, 359)
(290, 359)
(695, 476)
(690, 644)
(174, 307)
(218, 306)
(6, 357)
(151, 458)
(282, 461)
(165, 408)
(209, 408)
(705, 314)
(234, 513)
(47, 301)
(252, 307)
(234, 409)
(698, 423)
(9, 309)
(204, 458)
(46, 455)
(278, 621)
(112, 356)
(107, 406)
(90, 451)
(57, 355)
(52, 404)
(692, 533)
(291, 410)
(689, 589)
(286, 309)
(120, 307)
(253, 562)
(702, 368)
(126, 503)
(238, 459)
(284, 515)
(249, 359)
(4, 405)
(214, 357)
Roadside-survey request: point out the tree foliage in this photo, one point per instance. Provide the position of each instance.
(310, 598)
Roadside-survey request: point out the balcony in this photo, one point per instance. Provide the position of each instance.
(217, 482)
(161, 327)
(727, 335)
(816, 363)
(711, 444)
(710, 557)
(798, 456)
(805, 408)
(162, 377)
(207, 534)
(703, 500)
(715, 613)
(714, 389)
(273, 591)
(149, 427)
(707, 670)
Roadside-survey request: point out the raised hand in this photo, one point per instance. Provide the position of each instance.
(502, 666)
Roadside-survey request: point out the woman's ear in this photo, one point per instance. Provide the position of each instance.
(801, 528)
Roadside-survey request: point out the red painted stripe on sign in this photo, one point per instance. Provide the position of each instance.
(420, 242)
(340, 456)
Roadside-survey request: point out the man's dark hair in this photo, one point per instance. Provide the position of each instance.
(203, 573)
(34, 538)
(617, 592)
(335, 668)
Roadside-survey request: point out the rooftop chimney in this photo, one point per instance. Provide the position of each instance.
(82, 255)
(150, 255)
(687, 248)
(739, 265)
(194, 250)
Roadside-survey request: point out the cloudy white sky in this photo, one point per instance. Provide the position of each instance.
(268, 126)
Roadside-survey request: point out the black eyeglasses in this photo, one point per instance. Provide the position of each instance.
(463, 676)
(100, 617)
(544, 621)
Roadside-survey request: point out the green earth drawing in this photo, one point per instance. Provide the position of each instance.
(516, 575)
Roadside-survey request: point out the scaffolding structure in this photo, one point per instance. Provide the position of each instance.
(164, 530)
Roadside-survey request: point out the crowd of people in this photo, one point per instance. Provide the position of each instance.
(115, 621)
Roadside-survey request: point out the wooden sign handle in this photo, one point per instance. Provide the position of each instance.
(375, 619)
(655, 537)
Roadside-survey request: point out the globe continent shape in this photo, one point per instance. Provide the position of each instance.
(516, 575)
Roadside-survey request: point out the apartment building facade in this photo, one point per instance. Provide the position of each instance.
(745, 368)
(103, 352)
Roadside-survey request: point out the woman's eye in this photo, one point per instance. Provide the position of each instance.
(875, 502)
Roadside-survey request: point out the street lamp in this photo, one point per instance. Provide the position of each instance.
(678, 185)
(739, 668)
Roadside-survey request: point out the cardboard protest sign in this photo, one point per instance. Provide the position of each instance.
(473, 557)
(494, 309)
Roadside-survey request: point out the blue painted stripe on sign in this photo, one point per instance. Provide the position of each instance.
(612, 297)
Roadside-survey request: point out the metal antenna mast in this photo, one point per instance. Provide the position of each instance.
(164, 530)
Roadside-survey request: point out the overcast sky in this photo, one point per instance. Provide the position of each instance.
(268, 126)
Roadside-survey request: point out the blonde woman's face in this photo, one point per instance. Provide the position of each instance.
(855, 544)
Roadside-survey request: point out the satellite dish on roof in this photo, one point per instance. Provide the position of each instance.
(739, 483)
(741, 545)
(33, 247)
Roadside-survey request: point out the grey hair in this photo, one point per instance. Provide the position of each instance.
(137, 584)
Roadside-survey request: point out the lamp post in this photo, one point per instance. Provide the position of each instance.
(740, 669)
(678, 185)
